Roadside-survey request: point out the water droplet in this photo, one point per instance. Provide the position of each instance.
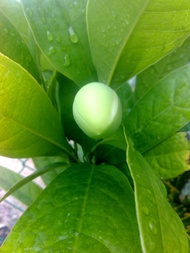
(49, 36)
(67, 61)
(153, 228)
(145, 210)
(51, 51)
(76, 234)
(73, 36)
(59, 39)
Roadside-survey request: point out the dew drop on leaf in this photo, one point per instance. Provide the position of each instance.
(145, 210)
(67, 61)
(51, 51)
(153, 228)
(49, 36)
(72, 35)
(59, 39)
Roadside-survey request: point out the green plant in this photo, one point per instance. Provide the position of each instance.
(102, 195)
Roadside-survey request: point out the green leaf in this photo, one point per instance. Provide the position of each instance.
(13, 46)
(153, 74)
(29, 178)
(128, 36)
(29, 125)
(109, 155)
(162, 111)
(60, 30)
(126, 96)
(27, 194)
(169, 158)
(13, 11)
(186, 128)
(45, 162)
(161, 229)
(85, 207)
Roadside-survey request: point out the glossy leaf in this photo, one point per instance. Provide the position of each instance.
(60, 30)
(170, 158)
(27, 194)
(161, 229)
(161, 112)
(85, 206)
(13, 46)
(29, 125)
(128, 36)
(159, 70)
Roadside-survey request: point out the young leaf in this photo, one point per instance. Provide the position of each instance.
(161, 229)
(27, 194)
(162, 111)
(60, 30)
(169, 158)
(29, 125)
(84, 206)
(159, 70)
(128, 36)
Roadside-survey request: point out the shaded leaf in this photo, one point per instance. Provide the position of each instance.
(27, 194)
(161, 229)
(77, 210)
(153, 74)
(169, 158)
(60, 30)
(33, 128)
(162, 111)
(136, 35)
(126, 96)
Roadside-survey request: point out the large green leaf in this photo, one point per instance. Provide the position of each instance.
(128, 36)
(170, 158)
(161, 229)
(29, 125)
(27, 194)
(153, 74)
(162, 111)
(60, 30)
(85, 209)
(13, 45)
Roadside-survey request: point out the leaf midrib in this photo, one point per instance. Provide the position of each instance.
(23, 127)
(123, 45)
